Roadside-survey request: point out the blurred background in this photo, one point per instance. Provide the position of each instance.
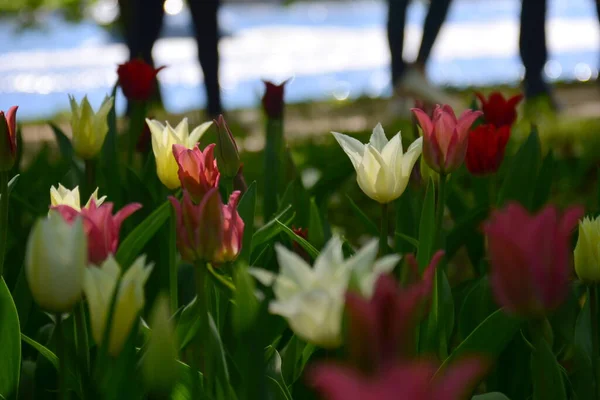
(333, 51)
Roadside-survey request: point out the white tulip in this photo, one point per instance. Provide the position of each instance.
(89, 127)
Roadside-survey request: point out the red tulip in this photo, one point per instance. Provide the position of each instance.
(499, 111)
(485, 151)
(530, 257)
(445, 137)
(273, 100)
(198, 172)
(8, 138)
(137, 79)
(101, 227)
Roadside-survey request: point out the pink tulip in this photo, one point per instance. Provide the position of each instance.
(445, 137)
(198, 172)
(101, 227)
(530, 257)
(210, 231)
(8, 138)
(408, 381)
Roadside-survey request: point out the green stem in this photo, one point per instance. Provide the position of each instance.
(90, 177)
(439, 213)
(83, 345)
(3, 217)
(593, 291)
(273, 166)
(62, 358)
(136, 126)
(202, 306)
(383, 231)
(173, 266)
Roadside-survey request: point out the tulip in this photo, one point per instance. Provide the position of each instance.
(8, 138)
(499, 111)
(312, 299)
(445, 137)
(65, 197)
(529, 258)
(89, 128)
(272, 100)
(228, 156)
(197, 171)
(587, 250)
(137, 79)
(159, 363)
(410, 381)
(485, 151)
(55, 263)
(163, 139)
(100, 226)
(99, 285)
(209, 231)
(382, 169)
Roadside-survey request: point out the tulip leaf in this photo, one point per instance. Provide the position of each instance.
(464, 231)
(316, 232)
(544, 181)
(411, 240)
(297, 196)
(43, 350)
(490, 396)
(133, 244)
(12, 183)
(489, 338)
(314, 253)
(476, 307)
(368, 224)
(272, 165)
(583, 378)
(548, 383)
(271, 228)
(275, 382)
(427, 228)
(187, 324)
(406, 222)
(64, 144)
(246, 209)
(10, 338)
(216, 366)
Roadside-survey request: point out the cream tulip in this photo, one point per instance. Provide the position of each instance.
(587, 250)
(163, 139)
(89, 128)
(65, 197)
(99, 285)
(382, 168)
(55, 262)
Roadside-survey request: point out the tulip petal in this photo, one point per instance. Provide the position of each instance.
(331, 255)
(378, 138)
(182, 130)
(352, 147)
(391, 152)
(197, 133)
(294, 267)
(423, 120)
(404, 165)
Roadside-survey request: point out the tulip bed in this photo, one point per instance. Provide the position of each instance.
(454, 276)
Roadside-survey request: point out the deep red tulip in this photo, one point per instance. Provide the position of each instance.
(198, 172)
(8, 138)
(499, 111)
(485, 151)
(137, 79)
(530, 257)
(272, 100)
(101, 227)
(445, 137)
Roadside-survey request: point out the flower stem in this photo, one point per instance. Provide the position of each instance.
(62, 358)
(593, 298)
(439, 213)
(173, 266)
(3, 217)
(383, 231)
(136, 126)
(90, 177)
(83, 345)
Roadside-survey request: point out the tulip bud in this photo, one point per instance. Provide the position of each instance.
(228, 157)
(587, 251)
(272, 100)
(197, 171)
(99, 284)
(159, 364)
(137, 79)
(65, 197)
(89, 128)
(55, 262)
(8, 139)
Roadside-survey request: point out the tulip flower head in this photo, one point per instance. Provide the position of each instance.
(445, 137)
(163, 139)
(8, 138)
(499, 111)
(228, 156)
(137, 79)
(65, 197)
(209, 231)
(530, 258)
(100, 225)
(55, 262)
(89, 128)
(197, 170)
(587, 250)
(382, 168)
(485, 151)
(272, 100)
(99, 285)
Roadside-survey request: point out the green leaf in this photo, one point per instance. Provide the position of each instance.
(275, 381)
(490, 396)
(64, 144)
(247, 208)
(314, 253)
(270, 229)
(217, 363)
(547, 377)
(583, 377)
(246, 303)
(10, 339)
(188, 324)
(297, 196)
(476, 307)
(316, 233)
(406, 221)
(367, 223)
(272, 166)
(522, 173)
(427, 228)
(411, 240)
(489, 338)
(462, 232)
(43, 350)
(133, 244)
(12, 183)
(544, 182)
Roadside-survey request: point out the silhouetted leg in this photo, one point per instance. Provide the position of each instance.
(395, 31)
(532, 46)
(436, 15)
(143, 24)
(204, 14)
